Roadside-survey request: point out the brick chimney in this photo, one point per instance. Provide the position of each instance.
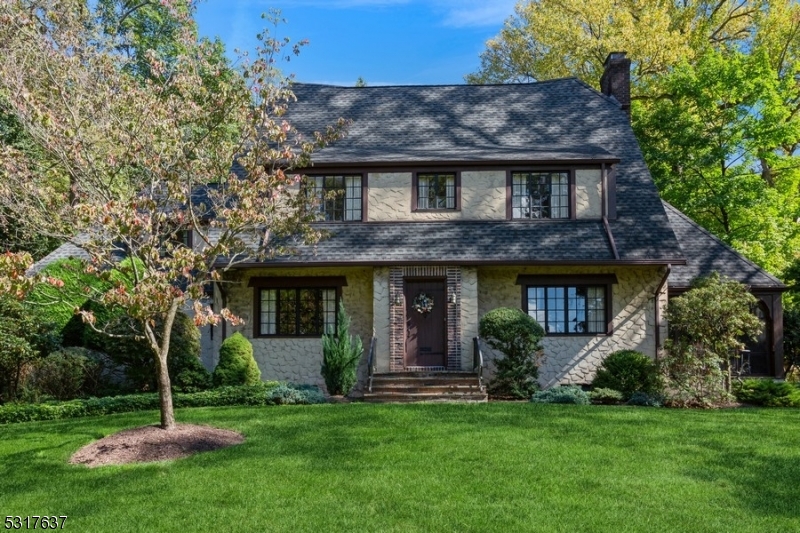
(616, 79)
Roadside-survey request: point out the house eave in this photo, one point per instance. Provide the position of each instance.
(497, 262)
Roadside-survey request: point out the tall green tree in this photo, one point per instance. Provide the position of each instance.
(715, 100)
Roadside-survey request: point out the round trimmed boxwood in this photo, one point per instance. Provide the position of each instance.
(628, 371)
(236, 363)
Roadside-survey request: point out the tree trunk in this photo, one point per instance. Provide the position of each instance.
(162, 370)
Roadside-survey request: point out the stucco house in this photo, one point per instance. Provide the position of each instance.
(454, 200)
(444, 202)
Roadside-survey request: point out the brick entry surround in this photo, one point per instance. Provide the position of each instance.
(397, 313)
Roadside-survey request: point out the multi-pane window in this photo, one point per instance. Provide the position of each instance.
(540, 194)
(337, 198)
(297, 312)
(436, 191)
(569, 309)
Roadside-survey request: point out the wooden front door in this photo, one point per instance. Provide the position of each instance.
(426, 332)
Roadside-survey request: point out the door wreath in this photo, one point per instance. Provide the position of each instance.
(422, 303)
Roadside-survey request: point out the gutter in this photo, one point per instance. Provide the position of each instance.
(658, 309)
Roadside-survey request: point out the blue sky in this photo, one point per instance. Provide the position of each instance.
(397, 42)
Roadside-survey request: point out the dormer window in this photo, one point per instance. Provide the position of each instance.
(436, 191)
(540, 194)
(337, 198)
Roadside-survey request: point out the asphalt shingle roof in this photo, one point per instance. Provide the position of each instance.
(456, 243)
(559, 120)
(705, 254)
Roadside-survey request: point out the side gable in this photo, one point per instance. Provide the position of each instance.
(705, 254)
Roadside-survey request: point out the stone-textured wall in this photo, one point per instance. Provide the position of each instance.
(469, 314)
(574, 359)
(588, 193)
(483, 197)
(299, 359)
(381, 304)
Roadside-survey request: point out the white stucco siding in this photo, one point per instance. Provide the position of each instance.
(574, 359)
(299, 359)
(469, 314)
(380, 312)
(588, 193)
(483, 197)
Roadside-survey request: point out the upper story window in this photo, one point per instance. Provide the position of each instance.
(436, 191)
(540, 194)
(338, 198)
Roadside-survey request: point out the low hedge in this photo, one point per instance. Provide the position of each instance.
(260, 394)
(767, 392)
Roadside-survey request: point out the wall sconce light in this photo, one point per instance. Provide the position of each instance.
(398, 299)
(452, 298)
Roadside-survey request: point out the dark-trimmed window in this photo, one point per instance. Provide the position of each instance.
(540, 194)
(570, 304)
(569, 309)
(296, 306)
(436, 191)
(336, 198)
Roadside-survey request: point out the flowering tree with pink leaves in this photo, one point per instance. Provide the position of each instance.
(128, 165)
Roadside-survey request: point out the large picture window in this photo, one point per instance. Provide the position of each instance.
(336, 198)
(577, 310)
(540, 194)
(296, 306)
(576, 304)
(436, 191)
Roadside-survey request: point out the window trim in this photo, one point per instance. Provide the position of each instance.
(575, 280)
(570, 170)
(364, 194)
(296, 283)
(415, 191)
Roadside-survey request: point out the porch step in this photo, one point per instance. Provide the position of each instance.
(426, 387)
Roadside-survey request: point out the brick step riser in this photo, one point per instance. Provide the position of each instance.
(471, 379)
(472, 398)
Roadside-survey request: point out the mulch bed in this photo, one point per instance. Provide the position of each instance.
(151, 443)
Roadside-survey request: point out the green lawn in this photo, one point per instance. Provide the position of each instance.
(485, 467)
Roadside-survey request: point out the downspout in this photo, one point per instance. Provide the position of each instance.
(658, 309)
(224, 294)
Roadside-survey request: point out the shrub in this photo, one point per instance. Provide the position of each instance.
(644, 399)
(186, 372)
(606, 396)
(223, 396)
(707, 325)
(64, 375)
(567, 394)
(518, 336)
(295, 395)
(23, 339)
(628, 371)
(340, 356)
(236, 363)
(767, 392)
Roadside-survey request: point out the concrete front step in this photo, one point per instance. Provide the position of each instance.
(426, 387)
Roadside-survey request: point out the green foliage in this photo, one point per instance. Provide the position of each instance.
(791, 341)
(707, 325)
(644, 399)
(341, 353)
(570, 394)
(767, 392)
(64, 375)
(606, 396)
(295, 395)
(23, 339)
(628, 371)
(243, 395)
(236, 363)
(518, 336)
(187, 373)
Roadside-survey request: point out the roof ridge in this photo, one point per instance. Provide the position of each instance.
(730, 248)
(412, 85)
